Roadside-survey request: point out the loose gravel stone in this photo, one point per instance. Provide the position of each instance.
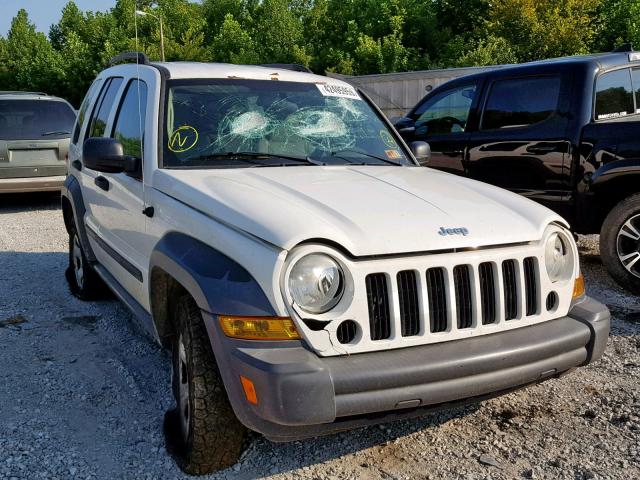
(83, 393)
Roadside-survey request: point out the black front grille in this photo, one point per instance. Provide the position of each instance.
(487, 293)
(510, 285)
(437, 300)
(378, 301)
(531, 285)
(464, 307)
(409, 306)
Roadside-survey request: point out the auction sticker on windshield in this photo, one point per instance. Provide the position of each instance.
(335, 90)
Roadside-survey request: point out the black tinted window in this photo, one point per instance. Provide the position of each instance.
(104, 105)
(445, 112)
(83, 109)
(521, 102)
(614, 95)
(129, 124)
(35, 119)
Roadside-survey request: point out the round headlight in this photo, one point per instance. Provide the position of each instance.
(557, 259)
(316, 283)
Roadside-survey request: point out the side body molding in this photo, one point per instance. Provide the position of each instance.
(72, 191)
(218, 284)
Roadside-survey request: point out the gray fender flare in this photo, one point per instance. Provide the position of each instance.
(72, 191)
(217, 283)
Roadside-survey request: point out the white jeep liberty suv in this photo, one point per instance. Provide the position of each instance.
(273, 230)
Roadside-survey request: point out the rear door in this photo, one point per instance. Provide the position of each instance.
(442, 121)
(34, 137)
(521, 142)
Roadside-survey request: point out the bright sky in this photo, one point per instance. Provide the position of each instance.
(44, 13)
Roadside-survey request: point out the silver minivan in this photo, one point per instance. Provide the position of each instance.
(35, 129)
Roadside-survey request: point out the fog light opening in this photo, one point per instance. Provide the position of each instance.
(347, 331)
(552, 301)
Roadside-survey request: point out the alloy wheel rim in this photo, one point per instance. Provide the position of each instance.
(628, 245)
(78, 263)
(184, 408)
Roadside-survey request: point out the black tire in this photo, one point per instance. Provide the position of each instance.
(203, 434)
(83, 280)
(618, 245)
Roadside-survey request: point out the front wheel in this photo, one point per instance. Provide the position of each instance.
(203, 433)
(620, 243)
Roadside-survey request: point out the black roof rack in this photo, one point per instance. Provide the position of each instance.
(288, 66)
(624, 48)
(17, 92)
(126, 57)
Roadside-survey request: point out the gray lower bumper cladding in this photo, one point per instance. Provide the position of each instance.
(302, 395)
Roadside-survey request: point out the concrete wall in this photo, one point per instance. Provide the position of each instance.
(396, 93)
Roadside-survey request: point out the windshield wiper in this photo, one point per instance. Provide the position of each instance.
(294, 158)
(370, 155)
(56, 132)
(249, 156)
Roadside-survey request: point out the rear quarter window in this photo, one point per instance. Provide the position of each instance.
(614, 95)
(520, 102)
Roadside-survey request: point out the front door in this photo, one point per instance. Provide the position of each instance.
(116, 224)
(441, 120)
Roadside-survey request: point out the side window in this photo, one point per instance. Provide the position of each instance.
(446, 112)
(103, 107)
(83, 109)
(635, 74)
(520, 102)
(129, 124)
(614, 95)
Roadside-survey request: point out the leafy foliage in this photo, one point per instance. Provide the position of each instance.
(344, 36)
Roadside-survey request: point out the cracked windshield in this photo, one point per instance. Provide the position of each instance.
(253, 123)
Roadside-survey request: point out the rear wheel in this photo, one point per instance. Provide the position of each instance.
(203, 433)
(83, 280)
(620, 243)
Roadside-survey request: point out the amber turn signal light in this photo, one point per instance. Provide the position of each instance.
(259, 328)
(578, 287)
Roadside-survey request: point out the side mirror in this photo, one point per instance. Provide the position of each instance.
(107, 155)
(404, 125)
(422, 152)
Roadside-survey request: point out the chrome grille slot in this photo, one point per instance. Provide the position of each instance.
(531, 285)
(437, 299)
(378, 302)
(510, 285)
(409, 305)
(487, 293)
(464, 305)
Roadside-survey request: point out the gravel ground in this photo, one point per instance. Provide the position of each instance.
(83, 392)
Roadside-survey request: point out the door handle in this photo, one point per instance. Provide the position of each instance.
(453, 153)
(102, 183)
(542, 149)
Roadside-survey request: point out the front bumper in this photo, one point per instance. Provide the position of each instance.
(302, 395)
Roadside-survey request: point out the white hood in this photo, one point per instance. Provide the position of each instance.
(368, 210)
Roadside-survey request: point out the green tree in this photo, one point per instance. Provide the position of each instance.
(233, 44)
(29, 61)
